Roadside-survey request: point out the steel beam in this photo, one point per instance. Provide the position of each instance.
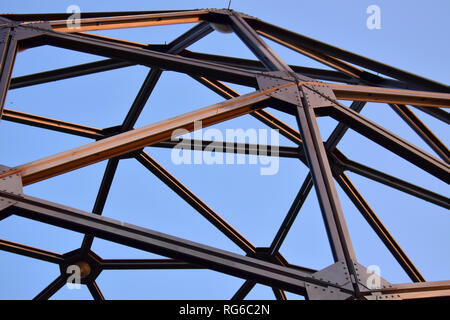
(388, 95)
(136, 139)
(195, 202)
(31, 252)
(52, 124)
(8, 49)
(52, 288)
(389, 140)
(420, 290)
(137, 264)
(111, 49)
(436, 113)
(95, 291)
(295, 39)
(422, 130)
(378, 227)
(390, 181)
(131, 21)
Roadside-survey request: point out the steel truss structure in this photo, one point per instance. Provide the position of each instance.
(304, 92)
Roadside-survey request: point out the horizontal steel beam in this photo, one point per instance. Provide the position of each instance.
(399, 96)
(136, 139)
(420, 290)
(231, 147)
(133, 264)
(120, 232)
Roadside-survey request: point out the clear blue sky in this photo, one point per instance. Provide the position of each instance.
(413, 37)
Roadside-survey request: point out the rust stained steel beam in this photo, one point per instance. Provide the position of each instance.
(52, 124)
(291, 279)
(136, 139)
(422, 130)
(389, 140)
(111, 49)
(134, 264)
(31, 252)
(390, 181)
(52, 288)
(383, 233)
(399, 96)
(195, 202)
(131, 21)
(295, 39)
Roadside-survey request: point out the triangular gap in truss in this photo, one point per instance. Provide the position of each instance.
(369, 249)
(193, 284)
(138, 197)
(50, 58)
(72, 294)
(307, 244)
(363, 150)
(293, 296)
(146, 35)
(421, 228)
(24, 277)
(385, 116)
(111, 250)
(295, 58)
(271, 194)
(260, 292)
(110, 93)
(175, 94)
(437, 126)
(30, 233)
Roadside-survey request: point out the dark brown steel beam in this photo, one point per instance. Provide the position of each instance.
(31, 252)
(133, 264)
(389, 140)
(436, 113)
(95, 291)
(8, 49)
(390, 181)
(422, 130)
(136, 139)
(416, 82)
(383, 233)
(146, 57)
(195, 202)
(244, 290)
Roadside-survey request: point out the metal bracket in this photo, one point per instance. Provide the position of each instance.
(268, 80)
(11, 184)
(318, 95)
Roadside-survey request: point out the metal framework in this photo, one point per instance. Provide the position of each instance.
(304, 92)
